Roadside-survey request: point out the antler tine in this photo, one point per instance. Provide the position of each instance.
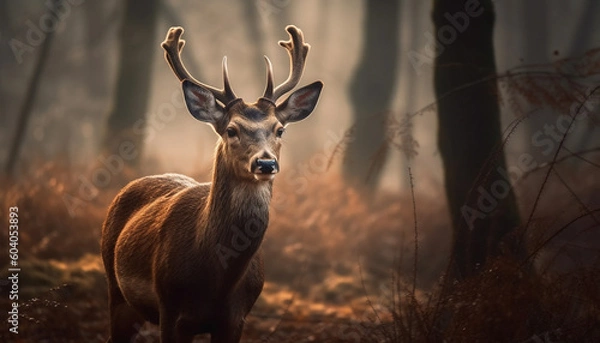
(269, 89)
(297, 49)
(227, 91)
(173, 45)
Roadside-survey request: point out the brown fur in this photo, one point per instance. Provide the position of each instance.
(186, 255)
(157, 225)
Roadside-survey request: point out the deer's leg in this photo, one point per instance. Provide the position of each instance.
(125, 321)
(231, 333)
(171, 329)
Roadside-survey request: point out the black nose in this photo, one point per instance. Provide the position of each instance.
(266, 166)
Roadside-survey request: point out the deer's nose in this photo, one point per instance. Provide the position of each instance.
(265, 166)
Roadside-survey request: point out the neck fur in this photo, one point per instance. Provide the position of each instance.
(236, 217)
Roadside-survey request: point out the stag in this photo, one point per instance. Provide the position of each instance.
(186, 255)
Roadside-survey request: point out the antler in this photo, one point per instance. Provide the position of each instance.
(173, 46)
(297, 49)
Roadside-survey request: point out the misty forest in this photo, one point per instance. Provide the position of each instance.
(445, 187)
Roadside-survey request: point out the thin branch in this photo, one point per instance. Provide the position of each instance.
(416, 254)
(578, 155)
(563, 249)
(510, 73)
(369, 302)
(564, 158)
(558, 232)
(554, 158)
(486, 169)
(577, 199)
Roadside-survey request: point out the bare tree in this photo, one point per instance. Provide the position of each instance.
(583, 37)
(96, 14)
(4, 54)
(536, 50)
(586, 29)
(29, 100)
(480, 198)
(371, 92)
(138, 46)
(255, 36)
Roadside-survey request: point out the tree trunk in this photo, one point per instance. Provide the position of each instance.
(4, 57)
(29, 100)
(480, 198)
(96, 78)
(536, 50)
(255, 38)
(410, 91)
(371, 93)
(124, 135)
(582, 41)
(584, 29)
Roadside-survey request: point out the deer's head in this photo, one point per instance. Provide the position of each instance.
(250, 132)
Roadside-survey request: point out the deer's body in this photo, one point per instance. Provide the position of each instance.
(161, 223)
(185, 255)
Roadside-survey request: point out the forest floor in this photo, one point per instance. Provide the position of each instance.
(339, 268)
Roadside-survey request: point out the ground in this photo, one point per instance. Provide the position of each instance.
(339, 268)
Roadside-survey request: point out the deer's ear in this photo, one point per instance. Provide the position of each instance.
(299, 104)
(201, 103)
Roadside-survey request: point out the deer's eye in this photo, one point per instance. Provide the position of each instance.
(231, 132)
(280, 132)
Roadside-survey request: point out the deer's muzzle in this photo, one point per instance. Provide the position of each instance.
(265, 169)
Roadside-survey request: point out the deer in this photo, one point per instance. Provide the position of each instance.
(186, 255)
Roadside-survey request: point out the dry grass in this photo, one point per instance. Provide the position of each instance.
(339, 269)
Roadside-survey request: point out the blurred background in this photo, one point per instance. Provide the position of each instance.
(77, 86)
(78, 78)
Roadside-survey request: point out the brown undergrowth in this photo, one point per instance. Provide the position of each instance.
(339, 268)
(322, 239)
